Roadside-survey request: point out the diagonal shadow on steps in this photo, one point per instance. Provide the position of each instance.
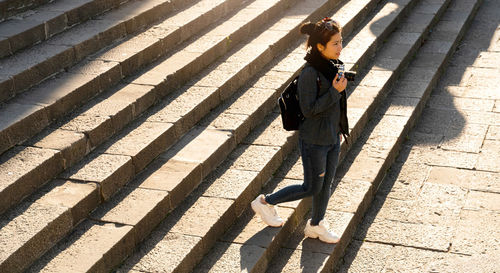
(475, 41)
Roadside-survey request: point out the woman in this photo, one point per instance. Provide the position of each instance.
(323, 103)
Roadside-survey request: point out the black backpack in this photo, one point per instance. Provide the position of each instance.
(291, 115)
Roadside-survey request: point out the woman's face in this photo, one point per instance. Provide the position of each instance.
(332, 49)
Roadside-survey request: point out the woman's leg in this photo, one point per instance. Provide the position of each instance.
(320, 200)
(314, 162)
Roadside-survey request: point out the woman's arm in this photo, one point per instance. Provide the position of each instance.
(307, 90)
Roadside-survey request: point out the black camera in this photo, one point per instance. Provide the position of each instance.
(350, 76)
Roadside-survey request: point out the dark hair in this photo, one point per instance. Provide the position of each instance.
(321, 32)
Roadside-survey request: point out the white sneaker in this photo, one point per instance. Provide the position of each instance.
(320, 231)
(266, 212)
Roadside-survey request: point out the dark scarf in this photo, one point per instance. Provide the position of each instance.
(329, 70)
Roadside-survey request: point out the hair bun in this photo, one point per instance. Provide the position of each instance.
(307, 28)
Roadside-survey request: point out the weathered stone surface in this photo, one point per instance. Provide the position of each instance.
(24, 169)
(476, 232)
(107, 73)
(365, 168)
(110, 171)
(484, 262)
(405, 88)
(203, 216)
(273, 135)
(250, 230)
(376, 78)
(226, 257)
(401, 106)
(187, 107)
(404, 181)
(263, 159)
(14, 125)
(365, 257)
(487, 59)
(336, 221)
(202, 145)
(292, 167)
(232, 183)
(487, 118)
(438, 205)
(73, 145)
(63, 93)
(493, 133)
(97, 128)
(463, 143)
(468, 179)
(288, 260)
(489, 158)
(477, 200)
(406, 234)
(416, 22)
(239, 125)
(169, 174)
(444, 158)
(163, 252)
(348, 195)
(92, 246)
(141, 208)
(384, 207)
(29, 231)
(461, 103)
(407, 259)
(79, 198)
(272, 80)
(434, 60)
(144, 143)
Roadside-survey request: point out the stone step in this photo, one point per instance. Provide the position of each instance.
(10, 8)
(67, 141)
(36, 25)
(193, 157)
(361, 174)
(113, 164)
(188, 232)
(249, 244)
(28, 68)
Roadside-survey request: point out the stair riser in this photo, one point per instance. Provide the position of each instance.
(103, 132)
(338, 253)
(30, 182)
(12, 7)
(113, 76)
(36, 246)
(402, 66)
(66, 59)
(355, 133)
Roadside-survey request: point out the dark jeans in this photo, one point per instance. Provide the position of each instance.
(320, 164)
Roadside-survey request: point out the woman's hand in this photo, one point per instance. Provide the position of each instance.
(341, 84)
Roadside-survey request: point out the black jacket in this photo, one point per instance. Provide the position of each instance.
(325, 110)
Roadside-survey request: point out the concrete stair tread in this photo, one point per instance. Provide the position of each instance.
(36, 25)
(361, 174)
(247, 238)
(181, 222)
(361, 196)
(94, 123)
(125, 159)
(188, 153)
(9, 8)
(28, 68)
(131, 230)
